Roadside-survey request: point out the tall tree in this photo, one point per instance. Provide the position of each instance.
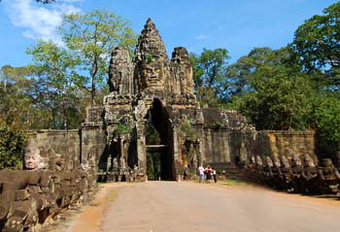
(317, 45)
(209, 68)
(58, 68)
(15, 102)
(272, 93)
(12, 146)
(92, 36)
(326, 120)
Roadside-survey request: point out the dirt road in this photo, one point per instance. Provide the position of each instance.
(185, 207)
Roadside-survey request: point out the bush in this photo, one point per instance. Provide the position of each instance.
(12, 147)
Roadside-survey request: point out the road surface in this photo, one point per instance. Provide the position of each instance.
(186, 207)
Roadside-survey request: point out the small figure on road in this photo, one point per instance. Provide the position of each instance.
(214, 175)
(208, 172)
(185, 175)
(201, 173)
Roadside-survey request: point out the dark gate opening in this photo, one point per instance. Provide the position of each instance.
(160, 161)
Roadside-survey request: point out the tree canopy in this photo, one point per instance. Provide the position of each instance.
(92, 36)
(316, 44)
(209, 68)
(272, 93)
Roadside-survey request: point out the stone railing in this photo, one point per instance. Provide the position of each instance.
(121, 175)
(315, 180)
(28, 198)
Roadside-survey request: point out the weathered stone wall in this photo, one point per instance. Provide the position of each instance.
(217, 145)
(93, 144)
(224, 148)
(83, 146)
(286, 143)
(63, 142)
(29, 198)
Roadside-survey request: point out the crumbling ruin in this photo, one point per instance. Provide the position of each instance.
(153, 92)
(46, 188)
(152, 109)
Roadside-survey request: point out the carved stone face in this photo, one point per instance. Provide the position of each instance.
(151, 73)
(252, 159)
(259, 160)
(327, 162)
(285, 162)
(32, 158)
(276, 162)
(309, 162)
(296, 160)
(269, 162)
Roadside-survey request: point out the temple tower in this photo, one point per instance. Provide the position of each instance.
(155, 93)
(152, 64)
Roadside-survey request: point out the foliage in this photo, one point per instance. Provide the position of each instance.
(326, 121)
(209, 70)
(273, 94)
(55, 69)
(15, 105)
(12, 146)
(187, 129)
(149, 57)
(92, 36)
(316, 44)
(153, 166)
(151, 134)
(65, 79)
(218, 125)
(123, 129)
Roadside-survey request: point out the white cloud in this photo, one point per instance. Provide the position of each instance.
(202, 37)
(39, 21)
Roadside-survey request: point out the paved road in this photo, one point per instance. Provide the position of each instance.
(186, 207)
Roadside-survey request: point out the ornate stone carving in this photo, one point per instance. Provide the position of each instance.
(152, 63)
(121, 72)
(181, 81)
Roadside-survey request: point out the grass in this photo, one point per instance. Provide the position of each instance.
(229, 182)
(233, 182)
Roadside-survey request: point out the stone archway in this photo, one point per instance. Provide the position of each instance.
(159, 142)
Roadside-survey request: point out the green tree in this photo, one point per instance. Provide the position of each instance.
(57, 83)
(326, 120)
(271, 92)
(12, 146)
(92, 36)
(209, 69)
(15, 104)
(316, 45)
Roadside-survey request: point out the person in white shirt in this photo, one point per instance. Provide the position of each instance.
(201, 173)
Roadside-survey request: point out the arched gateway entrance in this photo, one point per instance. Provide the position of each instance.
(159, 145)
(151, 122)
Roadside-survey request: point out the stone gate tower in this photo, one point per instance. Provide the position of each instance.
(154, 92)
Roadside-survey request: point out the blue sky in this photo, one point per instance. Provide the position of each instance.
(237, 25)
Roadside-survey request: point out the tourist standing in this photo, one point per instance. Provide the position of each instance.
(201, 173)
(214, 175)
(185, 175)
(209, 173)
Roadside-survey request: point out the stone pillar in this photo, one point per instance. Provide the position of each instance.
(175, 143)
(141, 144)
